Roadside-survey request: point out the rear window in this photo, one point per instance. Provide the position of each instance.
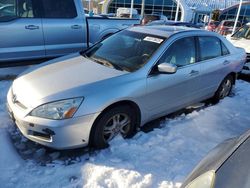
(59, 9)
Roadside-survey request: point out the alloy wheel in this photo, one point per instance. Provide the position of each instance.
(226, 88)
(118, 123)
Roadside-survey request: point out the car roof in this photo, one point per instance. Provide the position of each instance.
(163, 30)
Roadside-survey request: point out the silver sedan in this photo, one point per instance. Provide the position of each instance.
(121, 83)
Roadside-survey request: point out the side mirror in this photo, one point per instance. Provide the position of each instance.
(167, 68)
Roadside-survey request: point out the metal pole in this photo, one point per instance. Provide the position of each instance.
(177, 10)
(237, 17)
(142, 8)
(131, 8)
(89, 5)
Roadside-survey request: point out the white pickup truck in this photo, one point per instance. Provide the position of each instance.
(34, 29)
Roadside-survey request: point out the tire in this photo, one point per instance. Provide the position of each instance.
(224, 89)
(118, 120)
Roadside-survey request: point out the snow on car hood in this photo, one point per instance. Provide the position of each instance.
(242, 43)
(54, 78)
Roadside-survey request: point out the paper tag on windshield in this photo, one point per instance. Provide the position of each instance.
(153, 39)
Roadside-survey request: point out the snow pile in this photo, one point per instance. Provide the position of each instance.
(161, 158)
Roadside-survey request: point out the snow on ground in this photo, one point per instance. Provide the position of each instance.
(161, 158)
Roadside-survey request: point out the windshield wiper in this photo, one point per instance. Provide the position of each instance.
(106, 63)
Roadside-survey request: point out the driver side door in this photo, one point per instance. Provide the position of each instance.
(167, 93)
(21, 34)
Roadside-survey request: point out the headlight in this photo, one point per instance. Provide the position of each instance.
(63, 109)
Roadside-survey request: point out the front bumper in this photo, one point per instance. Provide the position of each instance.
(58, 134)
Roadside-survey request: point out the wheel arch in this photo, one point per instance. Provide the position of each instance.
(234, 75)
(130, 103)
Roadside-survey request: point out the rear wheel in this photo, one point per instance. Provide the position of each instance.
(118, 120)
(224, 89)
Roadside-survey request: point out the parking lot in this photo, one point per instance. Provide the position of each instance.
(161, 157)
(122, 94)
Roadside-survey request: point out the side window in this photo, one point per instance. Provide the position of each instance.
(210, 47)
(7, 10)
(25, 9)
(182, 52)
(16, 9)
(224, 49)
(59, 9)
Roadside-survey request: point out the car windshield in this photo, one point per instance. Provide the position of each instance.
(7, 10)
(243, 32)
(126, 50)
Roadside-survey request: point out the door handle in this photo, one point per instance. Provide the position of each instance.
(76, 27)
(194, 72)
(226, 62)
(31, 27)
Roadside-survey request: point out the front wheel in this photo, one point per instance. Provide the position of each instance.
(224, 89)
(118, 120)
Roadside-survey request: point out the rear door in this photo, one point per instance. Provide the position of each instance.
(21, 35)
(64, 29)
(215, 61)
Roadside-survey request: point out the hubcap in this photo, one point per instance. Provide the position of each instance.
(119, 123)
(226, 87)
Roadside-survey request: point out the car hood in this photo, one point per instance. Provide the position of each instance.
(34, 86)
(242, 43)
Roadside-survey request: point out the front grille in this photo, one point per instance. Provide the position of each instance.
(40, 136)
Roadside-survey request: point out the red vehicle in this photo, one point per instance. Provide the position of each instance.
(226, 27)
(212, 25)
